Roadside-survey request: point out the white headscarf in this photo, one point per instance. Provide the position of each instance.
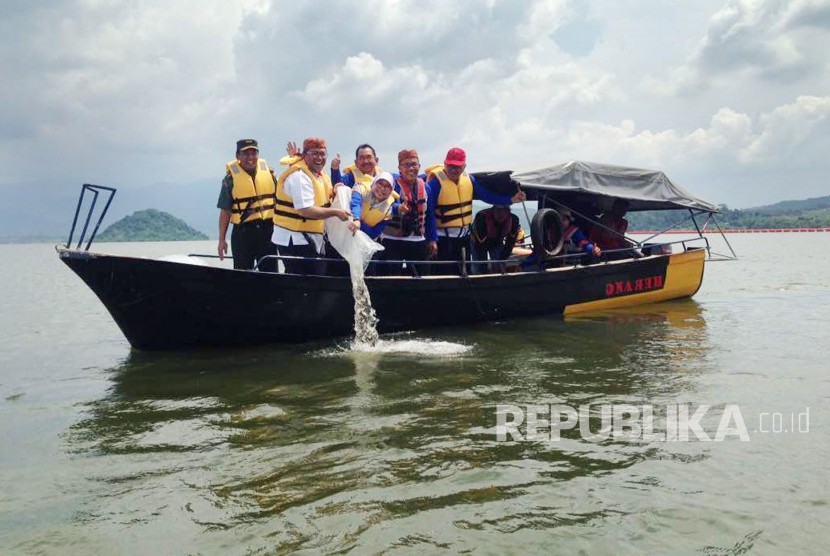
(384, 176)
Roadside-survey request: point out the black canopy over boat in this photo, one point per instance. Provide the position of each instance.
(166, 305)
(594, 185)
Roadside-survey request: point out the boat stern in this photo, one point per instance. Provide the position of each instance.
(682, 278)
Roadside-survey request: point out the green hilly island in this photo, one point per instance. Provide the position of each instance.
(150, 225)
(806, 213)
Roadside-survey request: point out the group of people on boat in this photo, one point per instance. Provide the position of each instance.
(416, 215)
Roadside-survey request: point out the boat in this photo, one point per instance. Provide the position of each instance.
(165, 305)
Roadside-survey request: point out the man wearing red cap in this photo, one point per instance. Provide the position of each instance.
(303, 203)
(246, 200)
(452, 191)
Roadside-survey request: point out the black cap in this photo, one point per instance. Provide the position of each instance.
(245, 144)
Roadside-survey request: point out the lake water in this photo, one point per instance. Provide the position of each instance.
(321, 449)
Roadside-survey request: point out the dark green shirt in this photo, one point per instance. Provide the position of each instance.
(225, 201)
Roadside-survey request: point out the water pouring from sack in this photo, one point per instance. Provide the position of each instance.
(357, 249)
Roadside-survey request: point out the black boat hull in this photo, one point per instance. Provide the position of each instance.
(169, 305)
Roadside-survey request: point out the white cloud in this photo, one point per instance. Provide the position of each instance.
(128, 78)
(545, 17)
(363, 82)
(140, 93)
(806, 13)
(786, 129)
(768, 40)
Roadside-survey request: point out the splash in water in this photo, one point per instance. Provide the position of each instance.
(422, 347)
(357, 248)
(399, 345)
(365, 320)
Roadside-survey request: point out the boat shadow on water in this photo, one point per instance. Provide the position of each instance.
(309, 433)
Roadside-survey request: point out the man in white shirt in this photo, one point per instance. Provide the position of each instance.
(303, 202)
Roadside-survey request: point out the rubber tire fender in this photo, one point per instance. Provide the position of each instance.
(543, 246)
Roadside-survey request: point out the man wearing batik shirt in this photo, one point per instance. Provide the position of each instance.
(410, 234)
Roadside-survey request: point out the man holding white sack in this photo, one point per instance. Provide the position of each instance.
(304, 195)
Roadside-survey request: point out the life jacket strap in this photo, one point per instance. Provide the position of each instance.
(462, 215)
(447, 208)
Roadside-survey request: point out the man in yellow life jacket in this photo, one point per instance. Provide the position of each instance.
(246, 199)
(452, 191)
(303, 202)
(364, 170)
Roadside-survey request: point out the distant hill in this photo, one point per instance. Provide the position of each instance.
(807, 213)
(789, 207)
(150, 225)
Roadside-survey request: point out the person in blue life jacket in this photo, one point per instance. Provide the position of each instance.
(246, 200)
(452, 191)
(575, 241)
(364, 170)
(410, 234)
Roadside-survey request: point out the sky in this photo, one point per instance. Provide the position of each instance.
(729, 98)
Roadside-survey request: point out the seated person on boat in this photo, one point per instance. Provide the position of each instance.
(576, 247)
(609, 234)
(494, 233)
(575, 239)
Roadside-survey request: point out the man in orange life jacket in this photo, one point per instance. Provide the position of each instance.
(610, 234)
(246, 199)
(410, 234)
(494, 232)
(303, 203)
(452, 192)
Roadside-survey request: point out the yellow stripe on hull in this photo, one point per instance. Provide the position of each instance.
(684, 275)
